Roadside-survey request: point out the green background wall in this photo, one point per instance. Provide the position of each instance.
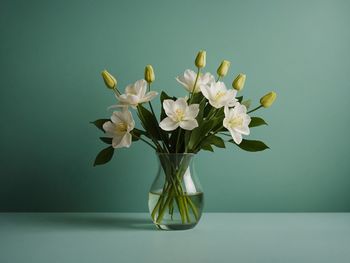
(51, 55)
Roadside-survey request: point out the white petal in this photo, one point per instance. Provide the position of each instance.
(226, 111)
(220, 86)
(188, 124)
(182, 81)
(225, 122)
(192, 111)
(116, 141)
(205, 91)
(121, 116)
(168, 106)
(246, 120)
(167, 124)
(109, 128)
(181, 104)
(122, 141)
(141, 87)
(117, 106)
(240, 109)
(128, 119)
(215, 104)
(130, 89)
(243, 130)
(149, 96)
(207, 78)
(231, 102)
(117, 117)
(190, 76)
(128, 99)
(126, 141)
(236, 136)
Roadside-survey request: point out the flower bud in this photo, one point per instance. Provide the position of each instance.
(149, 74)
(109, 80)
(223, 68)
(238, 83)
(267, 100)
(201, 59)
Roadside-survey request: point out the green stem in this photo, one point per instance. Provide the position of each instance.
(116, 91)
(162, 210)
(255, 109)
(178, 140)
(193, 207)
(139, 137)
(211, 113)
(174, 191)
(194, 86)
(158, 129)
(160, 200)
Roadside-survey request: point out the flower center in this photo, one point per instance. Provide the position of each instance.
(236, 122)
(179, 114)
(121, 127)
(219, 95)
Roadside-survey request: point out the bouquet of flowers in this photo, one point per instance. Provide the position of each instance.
(210, 114)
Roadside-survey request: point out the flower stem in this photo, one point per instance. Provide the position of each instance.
(116, 91)
(194, 85)
(159, 131)
(139, 137)
(193, 207)
(178, 140)
(255, 109)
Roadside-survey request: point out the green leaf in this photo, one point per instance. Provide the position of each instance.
(149, 122)
(197, 98)
(207, 147)
(99, 123)
(251, 145)
(136, 134)
(239, 99)
(215, 140)
(106, 140)
(201, 112)
(104, 156)
(256, 121)
(199, 133)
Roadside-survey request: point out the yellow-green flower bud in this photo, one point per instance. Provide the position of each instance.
(109, 80)
(201, 59)
(267, 100)
(149, 74)
(223, 68)
(238, 83)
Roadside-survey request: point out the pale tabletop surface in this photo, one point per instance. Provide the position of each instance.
(219, 237)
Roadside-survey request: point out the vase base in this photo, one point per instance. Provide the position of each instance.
(176, 226)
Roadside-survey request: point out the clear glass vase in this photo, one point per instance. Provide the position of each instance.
(175, 198)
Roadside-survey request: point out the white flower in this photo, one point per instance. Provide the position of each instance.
(189, 78)
(218, 95)
(179, 114)
(135, 94)
(119, 128)
(236, 121)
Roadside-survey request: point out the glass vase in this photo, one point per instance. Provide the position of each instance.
(175, 198)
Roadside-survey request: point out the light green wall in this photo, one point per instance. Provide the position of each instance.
(51, 55)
